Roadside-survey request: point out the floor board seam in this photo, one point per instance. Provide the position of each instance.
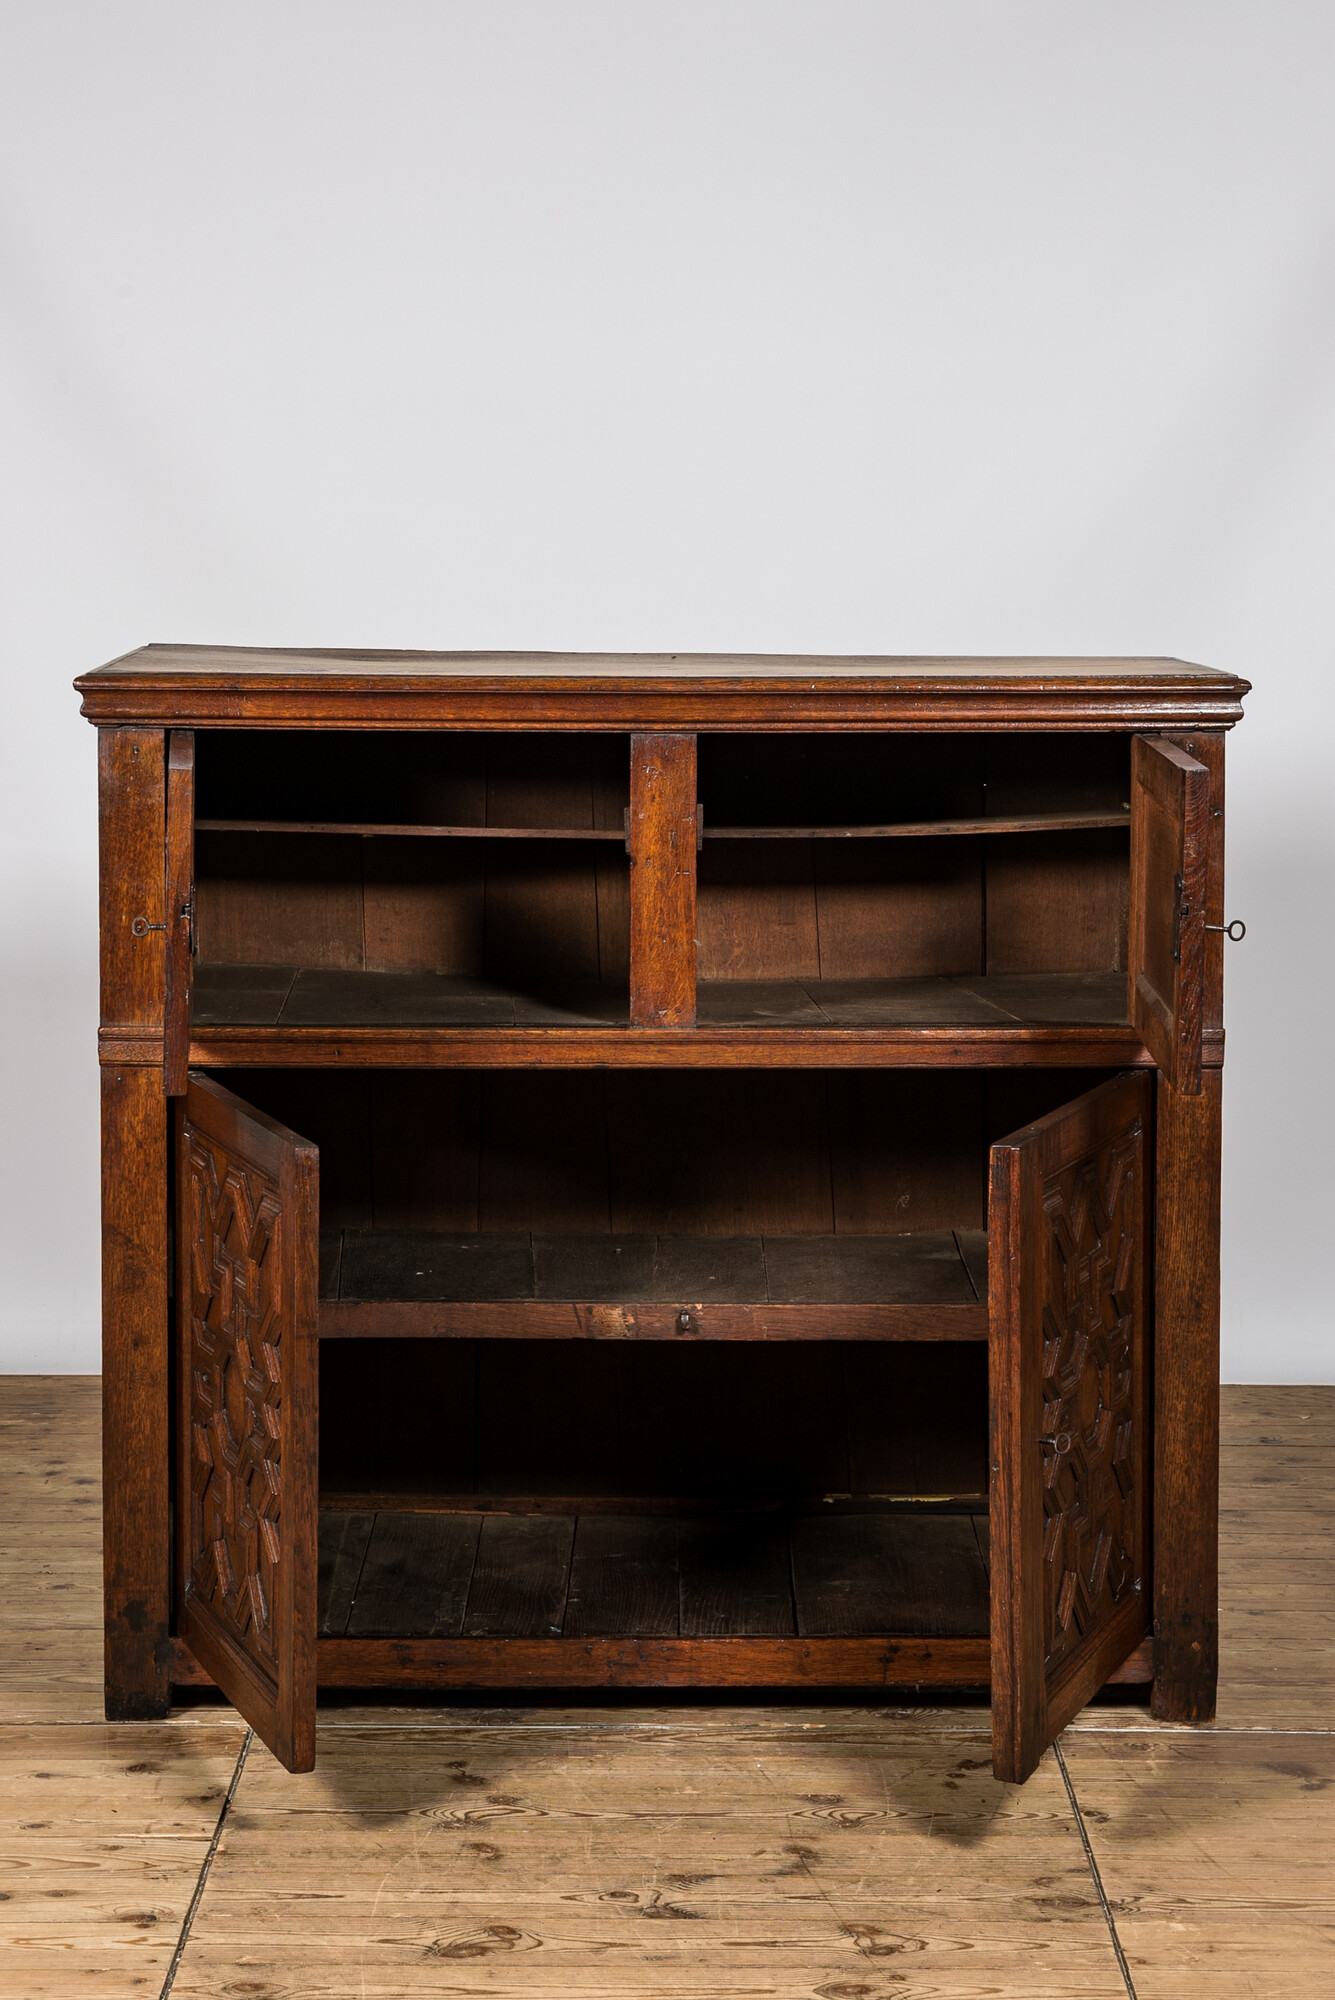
(1085, 1842)
(205, 1866)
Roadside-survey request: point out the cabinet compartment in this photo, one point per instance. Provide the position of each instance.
(861, 871)
(431, 876)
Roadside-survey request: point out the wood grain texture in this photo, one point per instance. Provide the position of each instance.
(179, 909)
(247, 1282)
(592, 1047)
(662, 833)
(131, 769)
(1186, 1400)
(1069, 1257)
(135, 1404)
(194, 686)
(1170, 845)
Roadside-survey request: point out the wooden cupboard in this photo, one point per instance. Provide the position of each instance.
(646, 1171)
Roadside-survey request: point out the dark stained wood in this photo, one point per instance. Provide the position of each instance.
(995, 1046)
(1057, 902)
(198, 685)
(260, 901)
(735, 1577)
(230, 997)
(135, 1198)
(544, 1320)
(400, 831)
(179, 909)
(136, 1545)
(237, 996)
(1206, 746)
(858, 1270)
(1186, 1402)
(247, 1276)
(623, 1578)
(395, 1265)
(662, 834)
(920, 829)
(1069, 1362)
(343, 1543)
(757, 1662)
(856, 1575)
(132, 808)
(520, 1576)
(442, 1001)
(430, 1285)
(1170, 842)
(415, 1576)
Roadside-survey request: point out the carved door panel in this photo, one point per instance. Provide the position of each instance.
(247, 1226)
(178, 909)
(1170, 825)
(1069, 1224)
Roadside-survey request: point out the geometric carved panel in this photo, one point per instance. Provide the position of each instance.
(1092, 1486)
(235, 1359)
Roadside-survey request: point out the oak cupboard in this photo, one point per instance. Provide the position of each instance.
(660, 1171)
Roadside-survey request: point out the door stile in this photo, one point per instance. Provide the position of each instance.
(179, 909)
(1070, 1248)
(1170, 841)
(247, 1383)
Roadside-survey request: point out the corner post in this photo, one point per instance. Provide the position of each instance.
(135, 1415)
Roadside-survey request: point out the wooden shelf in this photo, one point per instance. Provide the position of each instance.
(285, 996)
(400, 1284)
(790, 1574)
(377, 830)
(923, 829)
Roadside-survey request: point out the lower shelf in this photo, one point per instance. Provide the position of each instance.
(790, 1598)
(794, 1573)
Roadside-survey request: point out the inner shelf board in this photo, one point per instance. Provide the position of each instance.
(928, 1285)
(577, 1576)
(287, 996)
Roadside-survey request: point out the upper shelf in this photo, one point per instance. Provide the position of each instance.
(372, 830)
(926, 828)
(903, 830)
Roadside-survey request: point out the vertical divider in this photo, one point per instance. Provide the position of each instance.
(662, 835)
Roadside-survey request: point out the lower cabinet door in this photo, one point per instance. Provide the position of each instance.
(247, 1235)
(1069, 1221)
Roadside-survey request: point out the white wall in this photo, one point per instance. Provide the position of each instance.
(1003, 325)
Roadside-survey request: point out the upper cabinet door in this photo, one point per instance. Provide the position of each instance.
(1069, 1247)
(179, 908)
(247, 1231)
(1170, 817)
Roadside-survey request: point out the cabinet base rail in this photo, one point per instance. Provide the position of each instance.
(759, 1663)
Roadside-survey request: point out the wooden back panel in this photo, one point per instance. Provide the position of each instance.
(830, 909)
(515, 910)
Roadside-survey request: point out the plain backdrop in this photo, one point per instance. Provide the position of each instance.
(959, 326)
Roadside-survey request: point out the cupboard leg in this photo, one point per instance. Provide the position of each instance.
(135, 1534)
(1186, 1403)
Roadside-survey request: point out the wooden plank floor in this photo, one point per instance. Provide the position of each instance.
(685, 1852)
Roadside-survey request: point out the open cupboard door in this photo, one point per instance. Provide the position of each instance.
(247, 1233)
(1069, 1221)
(1170, 826)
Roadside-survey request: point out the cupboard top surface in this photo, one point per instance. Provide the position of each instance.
(256, 685)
